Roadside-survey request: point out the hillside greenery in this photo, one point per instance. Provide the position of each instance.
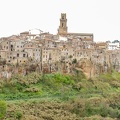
(60, 97)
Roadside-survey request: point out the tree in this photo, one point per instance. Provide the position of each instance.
(74, 61)
(70, 56)
(2, 62)
(3, 108)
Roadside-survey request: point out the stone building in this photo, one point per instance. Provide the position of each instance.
(57, 52)
(102, 45)
(5, 45)
(3, 54)
(18, 45)
(17, 57)
(63, 31)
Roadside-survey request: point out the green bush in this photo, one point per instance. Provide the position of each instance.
(9, 88)
(3, 108)
(18, 115)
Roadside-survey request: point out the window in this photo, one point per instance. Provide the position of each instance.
(23, 55)
(62, 17)
(17, 54)
(62, 24)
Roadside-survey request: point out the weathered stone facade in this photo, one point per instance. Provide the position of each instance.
(61, 52)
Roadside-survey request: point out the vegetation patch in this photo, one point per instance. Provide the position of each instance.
(60, 96)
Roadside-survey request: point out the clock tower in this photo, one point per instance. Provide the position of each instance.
(63, 25)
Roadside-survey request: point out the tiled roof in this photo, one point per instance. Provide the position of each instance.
(26, 32)
(81, 34)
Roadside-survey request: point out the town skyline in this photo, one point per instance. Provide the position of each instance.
(49, 52)
(89, 16)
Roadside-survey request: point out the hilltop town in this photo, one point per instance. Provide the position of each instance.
(35, 50)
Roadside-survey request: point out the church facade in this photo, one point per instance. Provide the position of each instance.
(63, 30)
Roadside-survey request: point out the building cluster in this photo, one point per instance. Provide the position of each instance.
(36, 46)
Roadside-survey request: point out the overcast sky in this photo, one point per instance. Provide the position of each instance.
(100, 17)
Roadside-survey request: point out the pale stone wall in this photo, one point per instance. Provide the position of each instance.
(5, 45)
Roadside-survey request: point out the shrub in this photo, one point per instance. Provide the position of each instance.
(18, 115)
(32, 89)
(3, 108)
(115, 84)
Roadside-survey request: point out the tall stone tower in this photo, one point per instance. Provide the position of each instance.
(63, 25)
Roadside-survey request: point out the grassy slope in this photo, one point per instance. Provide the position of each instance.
(65, 97)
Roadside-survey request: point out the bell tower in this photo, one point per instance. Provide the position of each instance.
(63, 25)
